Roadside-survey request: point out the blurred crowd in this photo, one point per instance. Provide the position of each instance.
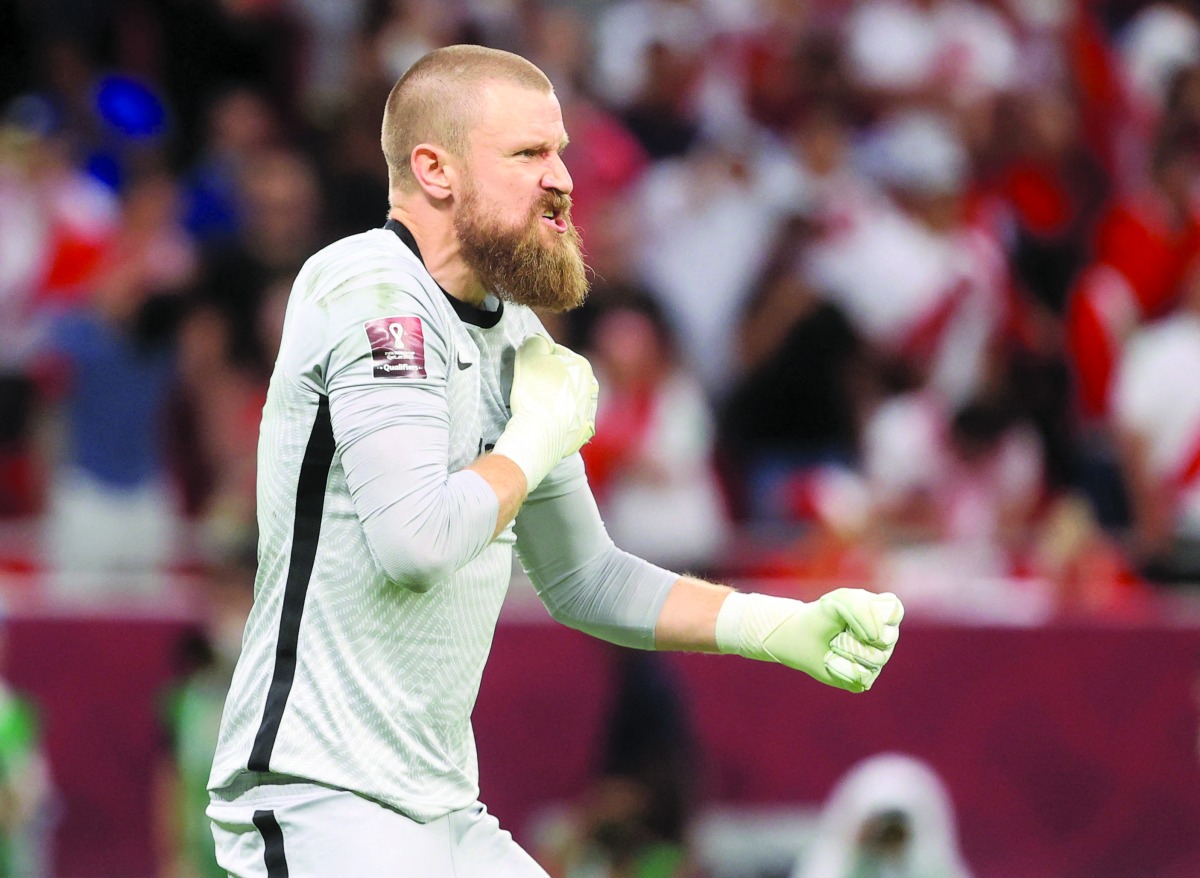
(898, 292)
(901, 291)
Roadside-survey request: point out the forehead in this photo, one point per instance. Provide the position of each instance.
(511, 114)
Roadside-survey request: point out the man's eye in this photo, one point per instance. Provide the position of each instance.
(528, 153)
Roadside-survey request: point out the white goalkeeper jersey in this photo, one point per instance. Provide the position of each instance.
(348, 677)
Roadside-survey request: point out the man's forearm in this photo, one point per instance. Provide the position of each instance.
(688, 621)
(508, 482)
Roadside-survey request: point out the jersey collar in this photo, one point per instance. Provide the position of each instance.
(480, 317)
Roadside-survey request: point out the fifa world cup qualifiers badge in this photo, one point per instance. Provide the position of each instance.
(397, 347)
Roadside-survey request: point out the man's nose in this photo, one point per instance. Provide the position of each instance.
(557, 176)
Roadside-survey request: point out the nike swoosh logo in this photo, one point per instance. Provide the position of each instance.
(464, 365)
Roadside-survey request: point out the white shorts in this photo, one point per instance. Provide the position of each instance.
(302, 830)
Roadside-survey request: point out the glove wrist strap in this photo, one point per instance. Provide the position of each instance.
(746, 620)
(525, 445)
(729, 623)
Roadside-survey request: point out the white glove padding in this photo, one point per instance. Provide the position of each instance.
(553, 404)
(844, 638)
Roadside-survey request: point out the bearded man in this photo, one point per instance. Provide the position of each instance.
(416, 407)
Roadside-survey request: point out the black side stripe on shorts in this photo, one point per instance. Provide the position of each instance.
(272, 835)
(306, 530)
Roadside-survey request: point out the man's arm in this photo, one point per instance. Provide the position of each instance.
(842, 639)
(423, 523)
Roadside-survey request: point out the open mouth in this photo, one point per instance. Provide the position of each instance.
(555, 219)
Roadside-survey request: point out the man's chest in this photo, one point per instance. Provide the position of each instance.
(477, 389)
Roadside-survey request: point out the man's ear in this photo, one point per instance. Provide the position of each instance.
(429, 166)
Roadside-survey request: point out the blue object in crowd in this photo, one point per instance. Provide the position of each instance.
(130, 107)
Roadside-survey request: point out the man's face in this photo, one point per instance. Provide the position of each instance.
(513, 216)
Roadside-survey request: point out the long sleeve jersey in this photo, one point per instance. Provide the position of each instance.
(379, 581)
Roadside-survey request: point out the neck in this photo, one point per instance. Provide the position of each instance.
(433, 230)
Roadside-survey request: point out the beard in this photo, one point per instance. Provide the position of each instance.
(515, 264)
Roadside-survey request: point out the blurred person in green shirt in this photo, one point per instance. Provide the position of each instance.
(191, 716)
(26, 793)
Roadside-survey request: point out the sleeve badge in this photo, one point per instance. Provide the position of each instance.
(397, 347)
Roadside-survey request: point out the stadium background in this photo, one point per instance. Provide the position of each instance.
(883, 265)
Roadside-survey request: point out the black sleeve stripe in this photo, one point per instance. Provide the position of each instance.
(310, 504)
(272, 835)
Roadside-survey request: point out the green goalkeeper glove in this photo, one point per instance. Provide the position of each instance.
(553, 404)
(844, 638)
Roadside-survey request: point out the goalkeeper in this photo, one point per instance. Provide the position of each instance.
(420, 427)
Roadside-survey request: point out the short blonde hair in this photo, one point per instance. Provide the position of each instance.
(438, 99)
